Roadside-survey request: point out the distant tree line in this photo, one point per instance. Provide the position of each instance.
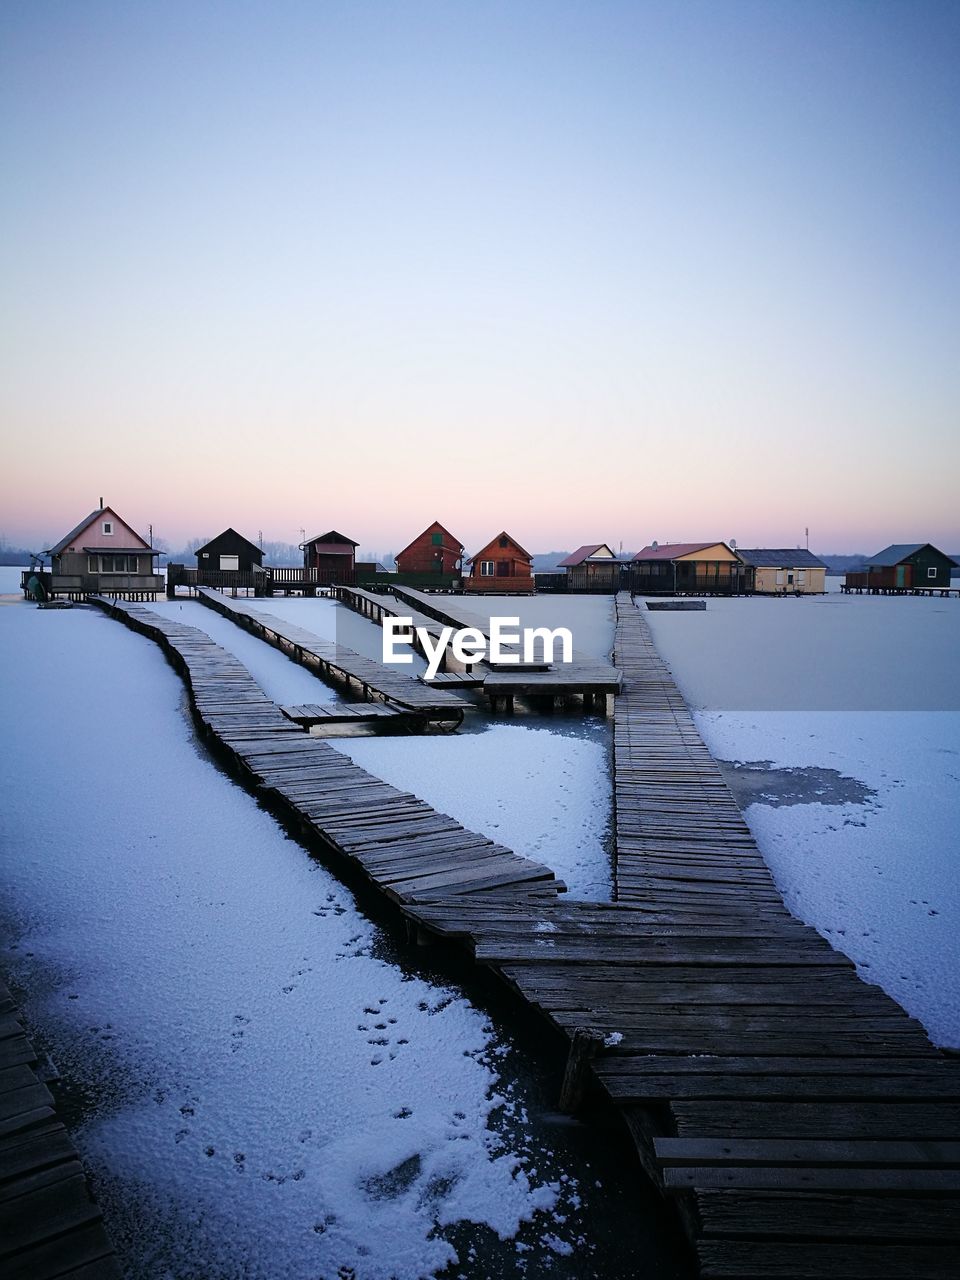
(14, 555)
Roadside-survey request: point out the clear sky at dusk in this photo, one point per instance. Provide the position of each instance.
(584, 271)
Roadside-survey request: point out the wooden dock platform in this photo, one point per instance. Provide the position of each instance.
(372, 680)
(50, 1225)
(316, 713)
(584, 677)
(800, 1123)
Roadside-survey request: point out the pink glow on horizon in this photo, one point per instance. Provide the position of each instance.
(384, 513)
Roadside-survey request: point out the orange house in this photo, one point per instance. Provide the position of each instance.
(435, 550)
(501, 567)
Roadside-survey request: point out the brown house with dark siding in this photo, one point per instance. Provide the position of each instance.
(333, 557)
(502, 566)
(435, 550)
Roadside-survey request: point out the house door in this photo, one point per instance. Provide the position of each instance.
(901, 570)
(503, 568)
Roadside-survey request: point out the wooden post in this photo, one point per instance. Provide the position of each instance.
(583, 1049)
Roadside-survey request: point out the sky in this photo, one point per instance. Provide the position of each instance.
(584, 271)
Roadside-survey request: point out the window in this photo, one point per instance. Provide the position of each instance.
(932, 571)
(436, 539)
(108, 527)
(504, 542)
(206, 555)
(801, 576)
(486, 568)
(779, 577)
(230, 562)
(112, 564)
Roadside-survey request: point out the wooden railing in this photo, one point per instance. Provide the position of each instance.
(76, 586)
(262, 581)
(507, 584)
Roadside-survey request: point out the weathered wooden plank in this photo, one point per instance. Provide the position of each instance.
(63, 1256)
(46, 1211)
(698, 1151)
(825, 1215)
(15, 1102)
(881, 1119)
(801, 1177)
(752, 1260)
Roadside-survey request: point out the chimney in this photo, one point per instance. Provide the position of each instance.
(101, 504)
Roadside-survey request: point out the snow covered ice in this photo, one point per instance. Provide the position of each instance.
(266, 1096)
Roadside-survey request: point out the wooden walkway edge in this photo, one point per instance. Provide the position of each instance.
(50, 1225)
(373, 680)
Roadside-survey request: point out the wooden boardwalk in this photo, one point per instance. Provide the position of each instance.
(799, 1121)
(49, 1223)
(806, 1123)
(584, 677)
(338, 663)
(412, 852)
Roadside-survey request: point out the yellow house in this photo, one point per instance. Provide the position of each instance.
(681, 568)
(780, 571)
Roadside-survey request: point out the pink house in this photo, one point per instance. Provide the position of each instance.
(103, 555)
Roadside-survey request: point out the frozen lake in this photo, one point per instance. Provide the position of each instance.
(266, 1086)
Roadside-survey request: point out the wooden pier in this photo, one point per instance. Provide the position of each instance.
(584, 677)
(370, 679)
(412, 852)
(801, 1124)
(49, 1224)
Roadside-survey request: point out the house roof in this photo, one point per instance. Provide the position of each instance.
(252, 545)
(780, 558)
(339, 544)
(897, 552)
(452, 545)
(84, 524)
(502, 534)
(671, 550)
(120, 551)
(584, 553)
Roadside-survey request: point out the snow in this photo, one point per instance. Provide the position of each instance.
(332, 621)
(589, 617)
(283, 680)
(865, 686)
(542, 792)
(10, 580)
(264, 1094)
